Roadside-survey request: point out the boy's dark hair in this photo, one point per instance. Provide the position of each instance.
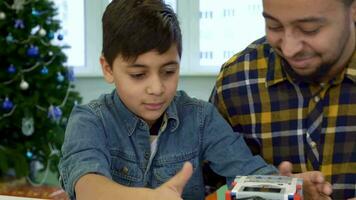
(133, 27)
(347, 2)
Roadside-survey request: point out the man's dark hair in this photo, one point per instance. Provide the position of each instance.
(133, 27)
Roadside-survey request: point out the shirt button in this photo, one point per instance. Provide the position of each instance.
(313, 145)
(125, 170)
(316, 99)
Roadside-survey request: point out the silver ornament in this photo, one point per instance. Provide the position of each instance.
(2, 16)
(24, 85)
(27, 126)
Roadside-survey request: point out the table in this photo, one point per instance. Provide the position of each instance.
(23, 189)
(218, 195)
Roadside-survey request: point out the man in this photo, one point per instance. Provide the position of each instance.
(292, 94)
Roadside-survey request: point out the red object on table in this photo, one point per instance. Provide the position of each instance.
(212, 196)
(26, 190)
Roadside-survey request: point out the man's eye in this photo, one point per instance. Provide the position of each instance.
(274, 28)
(310, 31)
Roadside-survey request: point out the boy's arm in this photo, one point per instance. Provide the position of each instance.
(229, 156)
(94, 186)
(226, 150)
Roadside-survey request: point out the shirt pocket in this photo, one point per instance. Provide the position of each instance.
(167, 166)
(125, 169)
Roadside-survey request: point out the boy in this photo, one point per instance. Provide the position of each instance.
(130, 143)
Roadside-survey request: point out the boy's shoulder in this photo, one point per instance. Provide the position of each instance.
(95, 105)
(183, 101)
(182, 98)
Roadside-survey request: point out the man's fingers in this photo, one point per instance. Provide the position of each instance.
(327, 189)
(178, 181)
(316, 177)
(285, 168)
(315, 185)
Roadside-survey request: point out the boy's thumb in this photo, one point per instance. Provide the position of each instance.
(178, 181)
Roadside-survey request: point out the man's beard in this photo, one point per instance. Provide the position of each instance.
(314, 77)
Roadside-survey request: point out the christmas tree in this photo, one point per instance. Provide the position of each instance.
(36, 87)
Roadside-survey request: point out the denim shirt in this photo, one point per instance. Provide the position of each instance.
(104, 137)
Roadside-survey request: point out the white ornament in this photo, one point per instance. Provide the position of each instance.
(24, 85)
(27, 126)
(35, 29)
(42, 32)
(2, 15)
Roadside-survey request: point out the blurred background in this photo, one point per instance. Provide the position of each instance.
(49, 61)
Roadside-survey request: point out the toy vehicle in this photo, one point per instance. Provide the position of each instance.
(260, 187)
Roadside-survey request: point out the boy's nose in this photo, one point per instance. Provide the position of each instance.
(155, 87)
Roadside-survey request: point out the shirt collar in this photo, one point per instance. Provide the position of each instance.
(275, 73)
(351, 68)
(131, 121)
(172, 115)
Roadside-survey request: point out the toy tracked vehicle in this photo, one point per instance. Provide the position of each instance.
(260, 187)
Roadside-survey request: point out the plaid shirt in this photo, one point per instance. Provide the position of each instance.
(311, 125)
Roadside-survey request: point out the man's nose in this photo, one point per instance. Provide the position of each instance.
(291, 45)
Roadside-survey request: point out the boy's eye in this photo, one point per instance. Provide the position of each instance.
(137, 76)
(169, 72)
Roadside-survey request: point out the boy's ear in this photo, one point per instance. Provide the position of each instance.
(107, 70)
(353, 10)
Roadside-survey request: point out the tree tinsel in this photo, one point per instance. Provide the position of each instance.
(36, 87)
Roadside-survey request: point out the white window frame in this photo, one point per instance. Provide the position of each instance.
(188, 15)
(93, 11)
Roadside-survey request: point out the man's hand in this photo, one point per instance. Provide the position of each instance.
(173, 188)
(314, 184)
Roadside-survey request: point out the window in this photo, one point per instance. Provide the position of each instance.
(225, 27)
(212, 31)
(172, 3)
(72, 30)
(81, 28)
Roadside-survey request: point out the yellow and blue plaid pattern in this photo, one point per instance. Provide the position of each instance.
(311, 125)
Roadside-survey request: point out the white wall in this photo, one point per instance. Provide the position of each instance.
(196, 86)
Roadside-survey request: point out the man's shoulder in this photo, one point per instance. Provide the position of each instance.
(256, 55)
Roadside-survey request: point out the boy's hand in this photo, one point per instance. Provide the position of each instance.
(173, 188)
(314, 184)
